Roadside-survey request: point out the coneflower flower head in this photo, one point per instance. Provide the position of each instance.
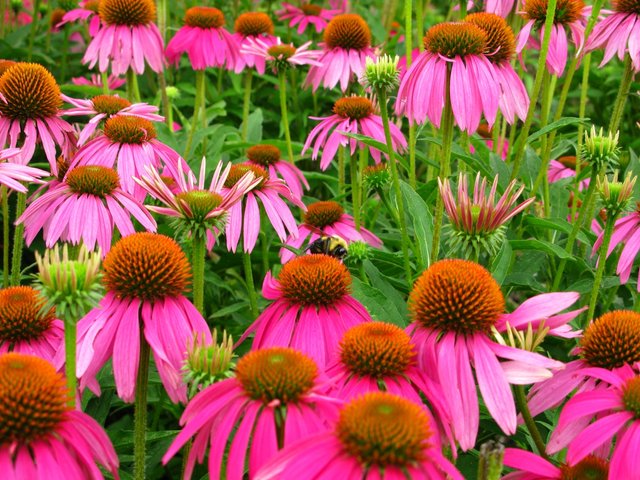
(615, 195)
(5, 65)
(381, 73)
(280, 56)
(612, 340)
(359, 251)
(269, 158)
(530, 465)
(249, 28)
(208, 362)
(376, 177)
(600, 150)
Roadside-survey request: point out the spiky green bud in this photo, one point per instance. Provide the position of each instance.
(615, 195)
(376, 177)
(381, 73)
(600, 150)
(208, 363)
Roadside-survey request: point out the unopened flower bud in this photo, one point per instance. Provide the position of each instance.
(208, 363)
(600, 150)
(359, 252)
(615, 195)
(490, 460)
(376, 177)
(173, 92)
(381, 73)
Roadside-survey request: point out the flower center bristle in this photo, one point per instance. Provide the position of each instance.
(612, 340)
(310, 9)
(455, 39)
(380, 429)
(240, 170)
(204, 17)
(323, 214)
(148, 266)
(282, 52)
(93, 180)
(127, 12)
(589, 468)
(567, 11)
(627, 6)
(376, 349)
(276, 373)
(109, 104)
(33, 399)
(264, 155)
(252, 24)
(314, 280)
(346, 31)
(200, 202)
(355, 108)
(501, 43)
(23, 316)
(456, 296)
(30, 92)
(631, 396)
(5, 65)
(128, 129)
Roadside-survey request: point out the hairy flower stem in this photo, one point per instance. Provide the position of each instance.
(34, 28)
(198, 106)
(623, 93)
(419, 26)
(521, 143)
(251, 288)
(445, 161)
(412, 155)
(549, 83)
(282, 78)
(198, 253)
(355, 189)
(602, 261)
(5, 235)
(105, 83)
(133, 92)
(382, 98)
(246, 104)
(341, 170)
(18, 241)
(70, 334)
(408, 28)
(140, 411)
(523, 407)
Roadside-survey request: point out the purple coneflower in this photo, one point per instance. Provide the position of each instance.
(306, 14)
(268, 157)
(251, 27)
(275, 52)
(87, 11)
(533, 467)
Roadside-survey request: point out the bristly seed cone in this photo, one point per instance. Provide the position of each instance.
(109, 104)
(456, 296)
(567, 11)
(501, 42)
(347, 31)
(128, 129)
(612, 340)
(93, 180)
(310, 9)
(31, 92)
(314, 280)
(627, 6)
(381, 429)
(276, 373)
(354, 108)
(323, 214)
(204, 17)
(455, 39)
(263, 154)
(200, 202)
(241, 169)
(253, 24)
(377, 349)
(282, 52)
(147, 266)
(589, 468)
(23, 316)
(127, 12)
(33, 399)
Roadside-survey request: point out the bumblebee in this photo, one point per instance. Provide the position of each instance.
(333, 246)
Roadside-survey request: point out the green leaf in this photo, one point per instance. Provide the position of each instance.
(558, 224)
(563, 122)
(501, 263)
(367, 141)
(391, 294)
(422, 222)
(541, 246)
(457, 152)
(377, 303)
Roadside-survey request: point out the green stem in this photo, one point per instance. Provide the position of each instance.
(602, 261)
(412, 155)
(523, 407)
(282, 78)
(197, 108)
(140, 411)
(341, 170)
(355, 189)
(419, 24)
(166, 103)
(521, 143)
(65, 51)
(408, 30)
(3, 10)
(105, 82)
(445, 160)
(463, 8)
(198, 255)
(5, 234)
(18, 241)
(382, 98)
(246, 105)
(547, 95)
(133, 92)
(70, 357)
(34, 28)
(623, 93)
(251, 288)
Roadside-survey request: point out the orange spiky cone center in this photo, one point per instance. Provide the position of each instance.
(589, 468)
(347, 31)
(264, 155)
(127, 12)
(253, 24)
(23, 315)
(501, 42)
(130, 130)
(354, 108)
(323, 214)
(455, 39)
(93, 180)
(567, 11)
(204, 17)
(109, 104)
(30, 92)
(612, 340)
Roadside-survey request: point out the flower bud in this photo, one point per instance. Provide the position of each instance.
(376, 177)
(208, 363)
(359, 252)
(600, 150)
(381, 73)
(615, 195)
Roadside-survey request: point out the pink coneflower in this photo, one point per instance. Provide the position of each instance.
(29, 109)
(279, 55)
(27, 325)
(500, 48)
(627, 233)
(455, 306)
(41, 435)
(459, 48)
(12, 174)
(113, 82)
(205, 40)
(618, 33)
(84, 207)
(347, 44)
(274, 399)
(306, 14)
(244, 217)
(327, 218)
(104, 107)
(533, 467)
(253, 26)
(127, 38)
(129, 145)
(570, 14)
(350, 115)
(611, 341)
(87, 11)
(377, 436)
(564, 167)
(268, 157)
(146, 275)
(617, 413)
(312, 308)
